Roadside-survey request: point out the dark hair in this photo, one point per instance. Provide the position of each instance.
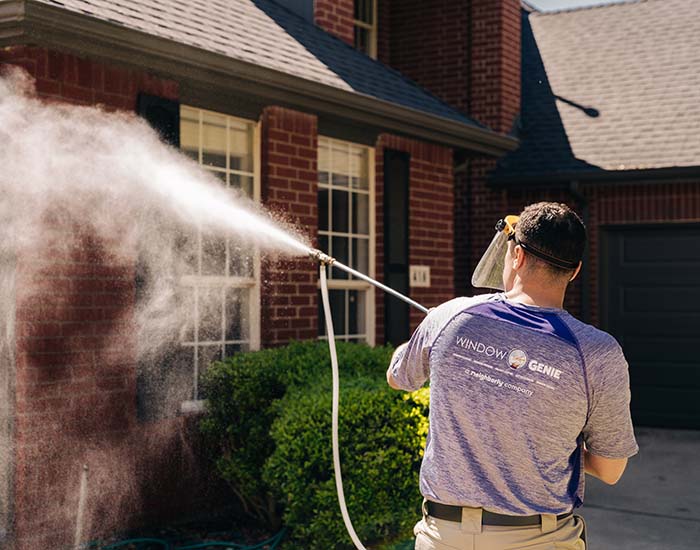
(556, 230)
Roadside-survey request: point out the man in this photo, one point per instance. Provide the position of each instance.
(524, 397)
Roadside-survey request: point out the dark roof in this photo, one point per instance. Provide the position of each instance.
(266, 34)
(609, 88)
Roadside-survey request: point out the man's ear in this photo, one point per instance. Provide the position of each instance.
(578, 270)
(518, 257)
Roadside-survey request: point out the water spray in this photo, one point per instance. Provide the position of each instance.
(326, 260)
(80, 516)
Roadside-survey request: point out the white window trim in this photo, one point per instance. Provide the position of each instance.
(345, 284)
(253, 284)
(373, 29)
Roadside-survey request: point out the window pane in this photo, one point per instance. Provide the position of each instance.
(176, 374)
(356, 311)
(337, 303)
(340, 166)
(340, 206)
(207, 355)
(360, 255)
(362, 40)
(360, 214)
(189, 113)
(187, 330)
(359, 168)
(213, 120)
(339, 251)
(324, 164)
(189, 137)
(214, 140)
(219, 174)
(236, 308)
(187, 247)
(321, 318)
(213, 256)
(241, 259)
(232, 349)
(244, 183)
(323, 244)
(323, 209)
(241, 144)
(364, 11)
(209, 307)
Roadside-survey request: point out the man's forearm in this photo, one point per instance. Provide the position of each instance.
(608, 470)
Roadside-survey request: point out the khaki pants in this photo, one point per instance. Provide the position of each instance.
(437, 534)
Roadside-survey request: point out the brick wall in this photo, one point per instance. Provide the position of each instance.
(290, 187)
(466, 53)
(430, 221)
(69, 78)
(337, 18)
(494, 91)
(429, 43)
(494, 99)
(76, 360)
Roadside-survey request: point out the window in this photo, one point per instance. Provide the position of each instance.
(366, 27)
(346, 232)
(223, 287)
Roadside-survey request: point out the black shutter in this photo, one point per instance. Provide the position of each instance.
(162, 382)
(163, 115)
(396, 183)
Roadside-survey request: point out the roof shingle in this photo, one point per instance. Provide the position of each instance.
(266, 34)
(610, 88)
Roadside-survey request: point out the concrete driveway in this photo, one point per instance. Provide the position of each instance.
(656, 504)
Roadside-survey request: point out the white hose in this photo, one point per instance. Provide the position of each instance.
(336, 401)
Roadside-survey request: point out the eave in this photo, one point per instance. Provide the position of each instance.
(680, 174)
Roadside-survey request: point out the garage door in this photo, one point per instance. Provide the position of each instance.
(650, 301)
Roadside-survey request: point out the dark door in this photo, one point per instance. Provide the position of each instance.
(650, 301)
(396, 178)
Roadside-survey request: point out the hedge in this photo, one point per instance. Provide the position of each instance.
(269, 417)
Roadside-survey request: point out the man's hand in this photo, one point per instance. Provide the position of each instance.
(608, 470)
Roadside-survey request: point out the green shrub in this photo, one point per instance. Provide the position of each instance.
(270, 418)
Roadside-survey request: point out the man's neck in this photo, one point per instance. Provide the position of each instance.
(536, 296)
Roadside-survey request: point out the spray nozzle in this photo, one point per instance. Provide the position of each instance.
(321, 257)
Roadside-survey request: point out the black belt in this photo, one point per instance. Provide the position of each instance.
(454, 513)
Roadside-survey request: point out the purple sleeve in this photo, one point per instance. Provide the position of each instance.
(410, 364)
(608, 432)
(410, 367)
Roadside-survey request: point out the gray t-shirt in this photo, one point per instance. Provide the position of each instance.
(515, 390)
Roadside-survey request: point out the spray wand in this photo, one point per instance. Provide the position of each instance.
(325, 260)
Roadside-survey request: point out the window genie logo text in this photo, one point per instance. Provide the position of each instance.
(480, 347)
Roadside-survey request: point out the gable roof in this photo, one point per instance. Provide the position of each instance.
(608, 89)
(269, 38)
